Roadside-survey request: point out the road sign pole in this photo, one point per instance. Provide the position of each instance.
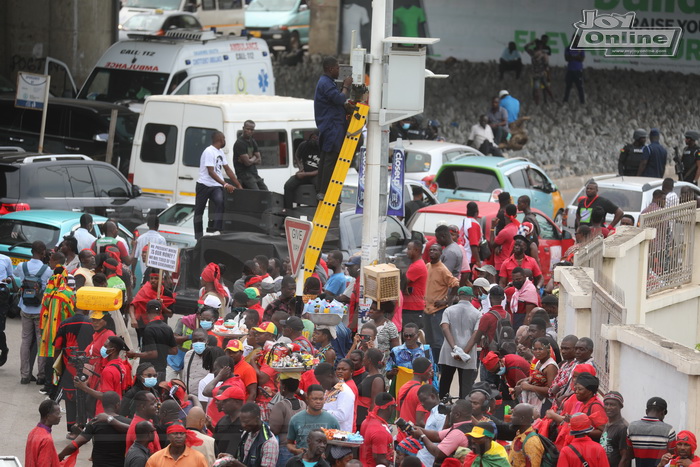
(43, 114)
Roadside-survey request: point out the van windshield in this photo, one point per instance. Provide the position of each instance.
(272, 5)
(110, 85)
(161, 4)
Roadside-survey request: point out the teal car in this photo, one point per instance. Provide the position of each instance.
(276, 21)
(18, 230)
(482, 178)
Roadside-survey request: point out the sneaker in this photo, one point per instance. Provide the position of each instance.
(40, 381)
(44, 391)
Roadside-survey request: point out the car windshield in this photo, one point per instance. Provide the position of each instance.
(126, 125)
(143, 23)
(468, 179)
(111, 85)
(272, 5)
(426, 222)
(24, 233)
(177, 214)
(627, 200)
(160, 4)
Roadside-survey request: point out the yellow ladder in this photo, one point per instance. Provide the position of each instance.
(326, 209)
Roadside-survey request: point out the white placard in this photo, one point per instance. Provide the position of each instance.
(32, 90)
(162, 257)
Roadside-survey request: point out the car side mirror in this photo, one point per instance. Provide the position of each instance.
(136, 191)
(303, 7)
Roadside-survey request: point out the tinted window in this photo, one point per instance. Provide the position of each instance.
(31, 121)
(196, 141)
(450, 156)
(299, 136)
(14, 231)
(85, 125)
(54, 120)
(394, 233)
(9, 114)
(624, 199)
(159, 143)
(9, 181)
(518, 180)
(273, 147)
(229, 4)
(81, 181)
(50, 182)
(468, 179)
(109, 183)
(176, 214)
(547, 229)
(417, 162)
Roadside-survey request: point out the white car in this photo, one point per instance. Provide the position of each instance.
(177, 224)
(424, 157)
(631, 194)
(158, 22)
(348, 197)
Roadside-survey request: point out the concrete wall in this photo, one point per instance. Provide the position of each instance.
(323, 31)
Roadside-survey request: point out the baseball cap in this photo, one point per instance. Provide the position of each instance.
(252, 293)
(503, 93)
(657, 403)
(266, 327)
(97, 314)
(580, 424)
(294, 323)
(490, 361)
(154, 305)
(488, 268)
(465, 291)
(233, 392)
(483, 283)
(482, 429)
(234, 345)
(354, 261)
(211, 301)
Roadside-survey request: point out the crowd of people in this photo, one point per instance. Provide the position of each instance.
(185, 392)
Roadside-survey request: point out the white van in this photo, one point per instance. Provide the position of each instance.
(226, 16)
(180, 63)
(174, 130)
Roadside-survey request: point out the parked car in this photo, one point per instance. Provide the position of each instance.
(158, 22)
(348, 197)
(177, 224)
(482, 178)
(631, 194)
(72, 127)
(74, 183)
(553, 241)
(276, 21)
(18, 230)
(424, 158)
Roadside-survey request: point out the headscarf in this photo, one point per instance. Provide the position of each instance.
(191, 438)
(588, 381)
(212, 273)
(688, 437)
(113, 268)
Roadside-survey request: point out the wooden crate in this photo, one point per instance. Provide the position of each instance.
(382, 282)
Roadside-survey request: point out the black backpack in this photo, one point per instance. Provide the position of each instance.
(550, 456)
(505, 334)
(32, 286)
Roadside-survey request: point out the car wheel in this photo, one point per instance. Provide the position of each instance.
(559, 219)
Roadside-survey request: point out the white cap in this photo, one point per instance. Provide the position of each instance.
(483, 283)
(212, 301)
(502, 93)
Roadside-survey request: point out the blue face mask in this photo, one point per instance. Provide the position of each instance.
(103, 352)
(482, 297)
(206, 325)
(405, 126)
(502, 371)
(150, 382)
(199, 347)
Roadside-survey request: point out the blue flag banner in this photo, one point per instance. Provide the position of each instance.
(396, 198)
(360, 203)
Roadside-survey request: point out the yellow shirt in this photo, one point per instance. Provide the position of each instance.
(532, 450)
(440, 280)
(189, 458)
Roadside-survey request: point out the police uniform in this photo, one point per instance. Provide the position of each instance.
(631, 157)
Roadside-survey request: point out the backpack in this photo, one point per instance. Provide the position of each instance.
(505, 334)
(32, 286)
(550, 456)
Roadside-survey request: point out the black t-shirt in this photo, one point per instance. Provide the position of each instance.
(309, 154)
(614, 440)
(243, 146)
(157, 335)
(585, 208)
(690, 157)
(411, 207)
(108, 445)
(228, 435)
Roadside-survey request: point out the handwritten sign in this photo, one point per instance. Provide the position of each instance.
(162, 257)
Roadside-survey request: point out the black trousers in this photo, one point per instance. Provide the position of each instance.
(466, 380)
(510, 65)
(252, 182)
(290, 188)
(325, 170)
(203, 194)
(574, 77)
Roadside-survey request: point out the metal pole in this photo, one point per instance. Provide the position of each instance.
(374, 176)
(43, 115)
(110, 140)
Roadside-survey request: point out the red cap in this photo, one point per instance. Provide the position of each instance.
(490, 361)
(585, 368)
(234, 392)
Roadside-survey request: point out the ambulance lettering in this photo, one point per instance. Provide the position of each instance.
(132, 66)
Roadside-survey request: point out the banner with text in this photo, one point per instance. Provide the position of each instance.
(395, 204)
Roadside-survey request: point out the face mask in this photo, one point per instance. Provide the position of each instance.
(206, 325)
(502, 371)
(199, 347)
(482, 297)
(103, 352)
(518, 284)
(150, 382)
(405, 126)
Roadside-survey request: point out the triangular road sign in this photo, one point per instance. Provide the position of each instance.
(298, 234)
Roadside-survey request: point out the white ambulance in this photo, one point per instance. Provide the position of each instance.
(174, 130)
(180, 63)
(226, 16)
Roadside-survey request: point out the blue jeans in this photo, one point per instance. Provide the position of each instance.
(284, 456)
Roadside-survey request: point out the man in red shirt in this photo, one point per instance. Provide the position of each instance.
(510, 369)
(40, 450)
(378, 446)
(416, 283)
(243, 369)
(503, 243)
(408, 404)
(146, 410)
(582, 448)
(519, 259)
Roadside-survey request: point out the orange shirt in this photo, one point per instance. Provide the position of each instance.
(440, 280)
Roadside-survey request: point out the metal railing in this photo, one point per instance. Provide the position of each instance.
(607, 307)
(671, 252)
(590, 255)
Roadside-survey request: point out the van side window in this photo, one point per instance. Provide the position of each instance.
(208, 84)
(208, 4)
(159, 143)
(230, 4)
(196, 141)
(81, 181)
(273, 148)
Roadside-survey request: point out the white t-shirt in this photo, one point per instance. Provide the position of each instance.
(480, 134)
(211, 157)
(85, 239)
(341, 404)
(354, 17)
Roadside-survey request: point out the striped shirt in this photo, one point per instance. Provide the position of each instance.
(649, 439)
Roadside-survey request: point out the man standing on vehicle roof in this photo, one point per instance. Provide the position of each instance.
(210, 183)
(329, 111)
(246, 158)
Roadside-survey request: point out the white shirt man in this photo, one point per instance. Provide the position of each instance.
(340, 402)
(480, 133)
